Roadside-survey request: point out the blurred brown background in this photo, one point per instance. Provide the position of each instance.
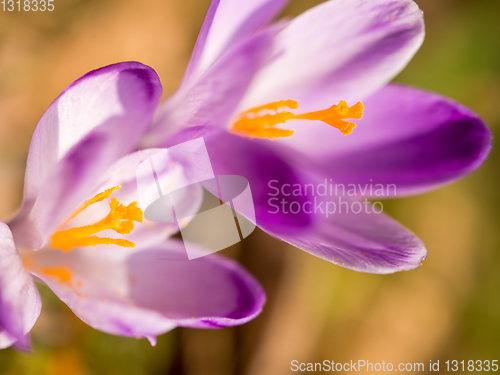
(447, 309)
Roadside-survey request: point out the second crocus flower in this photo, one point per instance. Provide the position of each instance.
(81, 230)
(275, 101)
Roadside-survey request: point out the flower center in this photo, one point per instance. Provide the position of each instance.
(120, 219)
(260, 121)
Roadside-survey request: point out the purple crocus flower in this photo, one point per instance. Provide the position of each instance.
(81, 232)
(270, 99)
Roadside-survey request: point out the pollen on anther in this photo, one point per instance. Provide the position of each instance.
(120, 219)
(260, 122)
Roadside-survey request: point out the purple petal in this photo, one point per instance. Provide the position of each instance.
(366, 241)
(94, 122)
(407, 137)
(213, 98)
(260, 165)
(227, 23)
(20, 303)
(97, 290)
(67, 188)
(6, 340)
(144, 293)
(123, 173)
(118, 100)
(206, 292)
(339, 50)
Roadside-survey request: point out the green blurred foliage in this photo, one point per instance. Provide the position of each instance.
(460, 58)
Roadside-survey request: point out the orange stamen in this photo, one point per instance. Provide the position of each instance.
(63, 274)
(120, 219)
(98, 198)
(260, 121)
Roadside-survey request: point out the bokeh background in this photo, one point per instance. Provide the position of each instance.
(447, 309)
